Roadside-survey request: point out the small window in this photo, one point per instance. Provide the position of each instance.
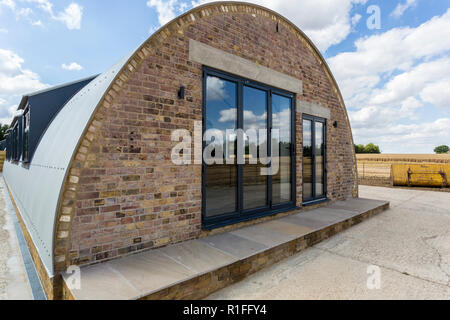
(15, 146)
(26, 133)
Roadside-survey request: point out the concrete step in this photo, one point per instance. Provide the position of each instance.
(195, 269)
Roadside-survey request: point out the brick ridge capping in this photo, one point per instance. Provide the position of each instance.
(203, 284)
(66, 206)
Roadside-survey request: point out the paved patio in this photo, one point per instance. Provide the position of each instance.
(144, 274)
(409, 243)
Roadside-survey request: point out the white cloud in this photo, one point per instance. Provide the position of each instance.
(45, 5)
(25, 12)
(411, 83)
(167, 9)
(37, 23)
(14, 82)
(10, 63)
(437, 93)
(216, 89)
(402, 7)
(397, 50)
(355, 19)
(407, 138)
(388, 81)
(71, 16)
(72, 67)
(228, 115)
(8, 3)
(326, 22)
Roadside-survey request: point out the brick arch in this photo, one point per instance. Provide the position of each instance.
(68, 196)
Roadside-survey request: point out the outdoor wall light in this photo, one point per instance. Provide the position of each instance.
(335, 124)
(181, 92)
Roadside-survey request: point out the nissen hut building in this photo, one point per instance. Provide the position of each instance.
(90, 165)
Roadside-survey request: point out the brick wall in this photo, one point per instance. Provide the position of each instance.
(129, 196)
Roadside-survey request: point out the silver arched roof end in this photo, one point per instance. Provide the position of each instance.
(36, 190)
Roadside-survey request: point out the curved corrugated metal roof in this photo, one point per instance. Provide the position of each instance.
(36, 190)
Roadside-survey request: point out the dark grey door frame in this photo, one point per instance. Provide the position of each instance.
(314, 199)
(241, 215)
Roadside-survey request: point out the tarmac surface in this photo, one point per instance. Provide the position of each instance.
(14, 283)
(402, 253)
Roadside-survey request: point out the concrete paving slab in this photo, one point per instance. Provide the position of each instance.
(309, 222)
(198, 256)
(289, 229)
(355, 205)
(149, 271)
(343, 214)
(260, 234)
(321, 214)
(236, 246)
(102, 282)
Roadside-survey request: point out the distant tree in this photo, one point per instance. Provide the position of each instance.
(3, 129)
(442, 149)
(371, 148)
(359, 148)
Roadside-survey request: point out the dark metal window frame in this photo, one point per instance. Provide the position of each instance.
(314, 199)
(241, 215)
(26, 134)
(15, 143)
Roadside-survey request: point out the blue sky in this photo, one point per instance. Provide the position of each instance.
(395, 79)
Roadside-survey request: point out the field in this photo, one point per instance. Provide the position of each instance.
(375, 169)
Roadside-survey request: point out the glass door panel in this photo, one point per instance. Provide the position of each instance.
(221, 179)
(313, 158)
(307, 160)
(281, 121)
(255, 119)
(319, 159)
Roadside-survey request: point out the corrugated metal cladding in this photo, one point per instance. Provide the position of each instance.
(36, 189)
(44, 105)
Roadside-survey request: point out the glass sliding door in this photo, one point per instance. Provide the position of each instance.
(255, 119)
(282, 121)
(319, 144)
(314, 162)
(220, 179)
(244, 185)
(307, 160)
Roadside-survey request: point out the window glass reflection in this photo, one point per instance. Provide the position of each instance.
(255, 118)
(221, 114)
(307, 159)
(281, 121)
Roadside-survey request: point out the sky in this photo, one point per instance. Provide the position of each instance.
(391, 58)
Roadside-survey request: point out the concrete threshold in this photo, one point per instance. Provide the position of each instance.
(197, 268)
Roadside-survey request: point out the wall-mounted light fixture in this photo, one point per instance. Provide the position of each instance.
(335, 124)
(181, 92)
